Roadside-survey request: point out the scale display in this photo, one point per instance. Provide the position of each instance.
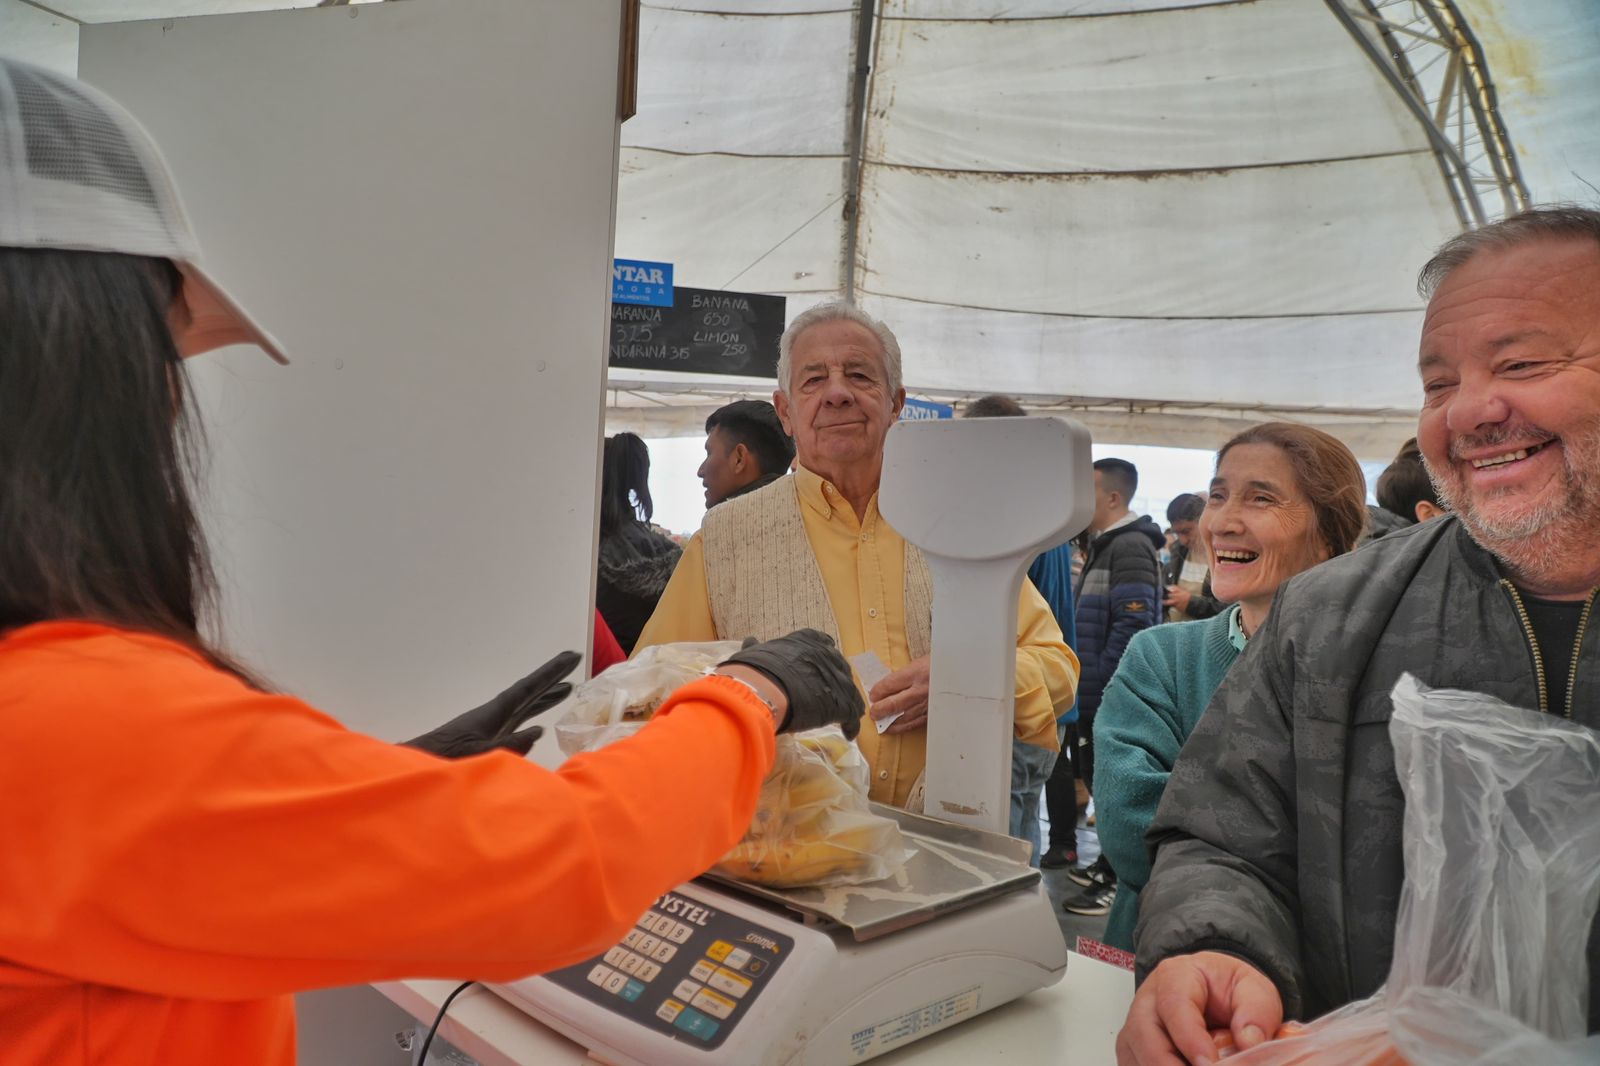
(686, 970)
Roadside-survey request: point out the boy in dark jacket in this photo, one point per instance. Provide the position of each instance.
(1118, 594)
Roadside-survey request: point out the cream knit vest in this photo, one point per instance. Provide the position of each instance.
(763, 579)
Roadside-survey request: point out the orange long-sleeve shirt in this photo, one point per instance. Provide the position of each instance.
(181, 851)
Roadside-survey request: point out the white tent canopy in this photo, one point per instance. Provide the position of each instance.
(1168, 217)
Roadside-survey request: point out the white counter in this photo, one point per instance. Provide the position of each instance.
(1073, 1023)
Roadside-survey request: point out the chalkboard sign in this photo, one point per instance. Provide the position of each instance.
(703, 332)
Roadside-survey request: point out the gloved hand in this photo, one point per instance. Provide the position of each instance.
(807, 665)
(494, 724)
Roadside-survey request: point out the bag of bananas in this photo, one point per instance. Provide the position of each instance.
(812, 825)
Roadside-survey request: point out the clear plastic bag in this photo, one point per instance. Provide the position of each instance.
(812, 825)
(622, 699)
(1502, 857)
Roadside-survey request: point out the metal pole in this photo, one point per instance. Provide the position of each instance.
(866, 18)
(1441, 143)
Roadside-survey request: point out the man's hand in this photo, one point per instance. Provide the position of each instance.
(1186, 997)
(1179, 597)
(904, 692)
(807, 667)
(494, 725)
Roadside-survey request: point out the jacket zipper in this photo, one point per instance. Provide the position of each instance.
(1533, 642)
(1572, 678)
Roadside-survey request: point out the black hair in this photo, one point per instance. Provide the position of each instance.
(1185, 508)
(1405, 483)
(993, 406)
(98, 449)
(1121, 476)
(625, 482)
(755, 424)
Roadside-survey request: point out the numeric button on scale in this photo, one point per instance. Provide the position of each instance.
(663, 952)
(679, 933)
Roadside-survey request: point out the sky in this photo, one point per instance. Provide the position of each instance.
(1163, 474)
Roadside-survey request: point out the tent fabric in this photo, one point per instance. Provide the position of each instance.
(1178, 208)
(1164, 216)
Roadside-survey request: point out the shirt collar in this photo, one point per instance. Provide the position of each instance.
(1236, 634)
(820, 495)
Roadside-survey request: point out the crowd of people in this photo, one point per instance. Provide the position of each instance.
(197, 847)
(1218, 689)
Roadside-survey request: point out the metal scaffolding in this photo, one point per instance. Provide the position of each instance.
(1428, 54)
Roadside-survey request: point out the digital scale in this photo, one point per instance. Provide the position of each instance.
(720, 971)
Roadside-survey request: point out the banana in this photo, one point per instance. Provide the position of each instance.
(811, 823)
(849, 845)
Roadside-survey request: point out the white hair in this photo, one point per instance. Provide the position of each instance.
(838, 311)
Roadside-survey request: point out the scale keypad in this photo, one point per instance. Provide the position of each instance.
(685, 969)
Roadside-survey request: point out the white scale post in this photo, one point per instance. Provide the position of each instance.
(981, 498)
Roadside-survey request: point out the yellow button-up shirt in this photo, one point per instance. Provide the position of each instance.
(862, 561)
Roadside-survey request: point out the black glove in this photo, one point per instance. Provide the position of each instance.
(807, 665)
(493, 725)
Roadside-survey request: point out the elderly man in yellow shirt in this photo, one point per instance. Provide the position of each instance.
(812, 550)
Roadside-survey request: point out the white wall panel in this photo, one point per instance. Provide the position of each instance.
(417, 199)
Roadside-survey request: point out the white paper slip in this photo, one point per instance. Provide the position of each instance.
(870, 669)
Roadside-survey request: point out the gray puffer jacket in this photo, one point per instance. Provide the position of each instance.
(1278, 836)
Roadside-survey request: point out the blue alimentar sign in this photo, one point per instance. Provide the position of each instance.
(634, 281)
(917, 409)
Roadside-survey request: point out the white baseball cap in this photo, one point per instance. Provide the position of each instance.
(78, 173)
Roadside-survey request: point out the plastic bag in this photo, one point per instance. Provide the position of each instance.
(1502, 859)
(619, 701)
(812, 825)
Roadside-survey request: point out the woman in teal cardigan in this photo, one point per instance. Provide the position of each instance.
(1285, 497)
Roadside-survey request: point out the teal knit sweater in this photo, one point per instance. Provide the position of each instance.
(1154, 701)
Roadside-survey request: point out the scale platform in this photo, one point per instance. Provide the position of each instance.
(719, 971)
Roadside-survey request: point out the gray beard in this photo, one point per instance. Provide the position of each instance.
(1547, 542)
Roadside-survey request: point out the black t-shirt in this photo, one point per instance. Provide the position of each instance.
(1555, 626)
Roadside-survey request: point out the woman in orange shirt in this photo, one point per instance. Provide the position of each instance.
(184, 849)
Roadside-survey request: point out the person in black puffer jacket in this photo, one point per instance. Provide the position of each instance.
(1118, 593)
